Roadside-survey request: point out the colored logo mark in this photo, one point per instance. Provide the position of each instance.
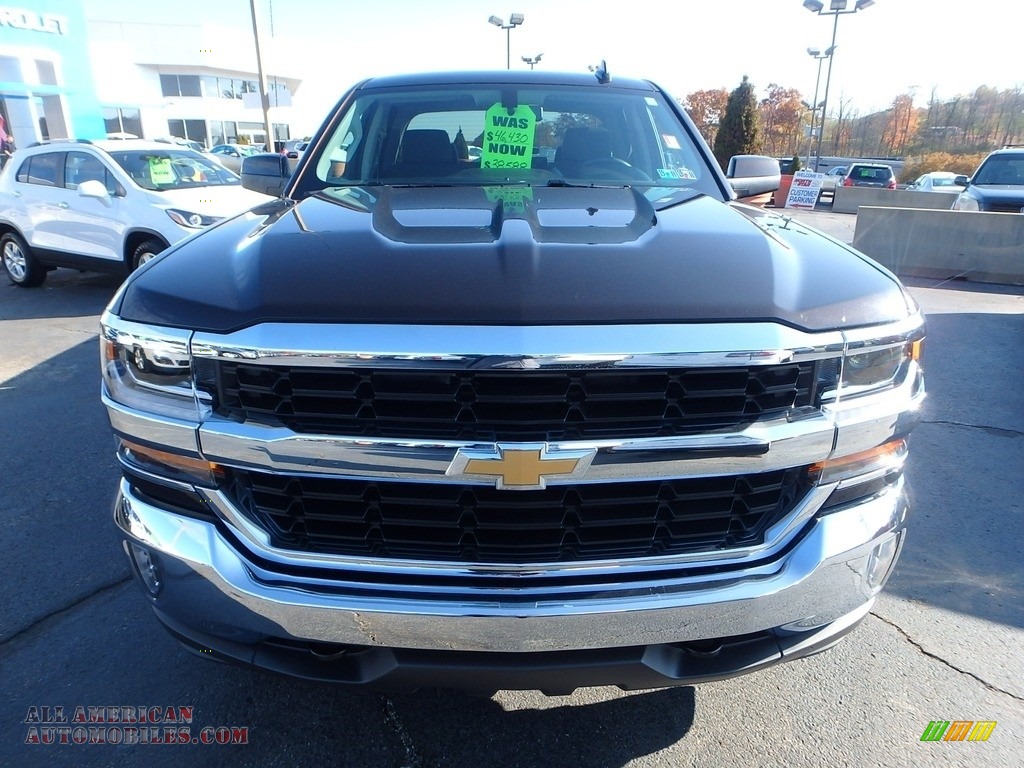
(958, 730)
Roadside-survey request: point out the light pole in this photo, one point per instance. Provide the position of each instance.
(817, 54)
(532, 61)
(514, 20)
(836, 8)
(264, 100)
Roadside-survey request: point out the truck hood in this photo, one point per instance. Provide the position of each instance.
(509, 256)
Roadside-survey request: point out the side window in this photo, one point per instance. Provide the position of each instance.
(43, 169)
(80, 167)
(333, 164)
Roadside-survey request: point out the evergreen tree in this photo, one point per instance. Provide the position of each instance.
(739, 131)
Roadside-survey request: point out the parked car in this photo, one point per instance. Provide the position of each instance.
(107, 205)
(293, 148)
(937, 181)
(833, 178)
(997, 185)
(231, 155)
(505, 422)
(870, 175)
(195, 146)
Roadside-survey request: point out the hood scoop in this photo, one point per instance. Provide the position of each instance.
(425, 215)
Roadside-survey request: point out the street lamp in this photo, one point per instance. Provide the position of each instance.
(264, 100)
(532, 61)
(836, 8)
(817, 54)
(513, 21)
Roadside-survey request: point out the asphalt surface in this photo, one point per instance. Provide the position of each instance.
(944, 642)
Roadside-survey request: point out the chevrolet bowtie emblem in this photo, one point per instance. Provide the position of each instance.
(524, 467)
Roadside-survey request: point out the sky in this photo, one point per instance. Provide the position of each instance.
(922, 47)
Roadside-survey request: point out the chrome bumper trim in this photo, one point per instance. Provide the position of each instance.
(761, 447)
(523, 347)
(830, 572)
(841, 428)
(168, 433)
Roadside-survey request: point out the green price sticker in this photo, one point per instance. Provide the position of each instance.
(160, 170)
(508, 137)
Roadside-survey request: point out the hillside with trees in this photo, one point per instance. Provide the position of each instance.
(953, 132)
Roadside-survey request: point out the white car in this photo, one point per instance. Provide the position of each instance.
(107, 205)
(937, 181)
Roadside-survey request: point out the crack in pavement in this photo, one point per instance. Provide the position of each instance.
(929, 654)
(412, 759)
(64, 609)
(997, 431)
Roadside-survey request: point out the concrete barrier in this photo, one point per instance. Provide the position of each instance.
(850, 199)
(913, 242)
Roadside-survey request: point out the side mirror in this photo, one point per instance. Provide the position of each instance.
(267, 173)
(94, 189)
(962, 181)
(751, 175)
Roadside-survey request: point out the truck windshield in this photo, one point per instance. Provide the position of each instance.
(530, 135)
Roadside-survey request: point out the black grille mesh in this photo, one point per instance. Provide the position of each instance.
(1007, 207)
(508, 405)
(477, 524)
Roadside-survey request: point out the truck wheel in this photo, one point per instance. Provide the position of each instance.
(20, 265)
(146, 251)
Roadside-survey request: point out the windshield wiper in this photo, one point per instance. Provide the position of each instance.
(591, 185)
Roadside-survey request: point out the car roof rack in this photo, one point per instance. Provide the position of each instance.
(47, 142)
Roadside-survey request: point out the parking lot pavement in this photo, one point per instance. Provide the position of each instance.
(945, 641)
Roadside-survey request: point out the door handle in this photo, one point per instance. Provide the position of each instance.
(62, 204)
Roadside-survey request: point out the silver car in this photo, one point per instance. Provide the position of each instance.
(833, 178)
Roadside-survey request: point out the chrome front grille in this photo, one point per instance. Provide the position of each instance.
(479, 524)
(494, 405)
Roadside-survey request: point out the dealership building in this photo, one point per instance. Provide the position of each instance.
(66, 72)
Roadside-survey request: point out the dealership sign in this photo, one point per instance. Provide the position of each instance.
(805, 190)
(19, 18)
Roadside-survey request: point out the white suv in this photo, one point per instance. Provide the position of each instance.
(107, 205)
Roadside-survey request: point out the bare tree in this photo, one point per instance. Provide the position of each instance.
(781, 117)
(706, 108)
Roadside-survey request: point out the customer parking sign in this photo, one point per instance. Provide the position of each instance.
(805, 190)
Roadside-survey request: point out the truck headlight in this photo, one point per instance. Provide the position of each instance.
(878, 368)
(148, 369)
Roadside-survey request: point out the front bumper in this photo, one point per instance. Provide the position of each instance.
(493, 631)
